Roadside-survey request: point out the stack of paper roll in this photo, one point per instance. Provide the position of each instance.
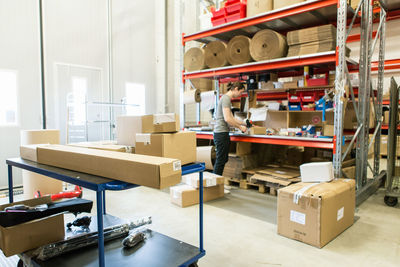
(215, 54)
(268, 44)
(207, 155)
(238, 50)
(312, 40)
(192, 96)
(33, 182)
(194, 59)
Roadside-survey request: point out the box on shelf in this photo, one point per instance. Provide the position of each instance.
(257, 130)
(316, 172)
(328, 130)
(143, 170)
(180, 145)
(350, 172)
(29, 235)
(243, 148)
(385, 117)
(209, 179)
(185, 195)
(350, 118)
(290, 85)
(316, 213)
(283, 3)
(255, 7)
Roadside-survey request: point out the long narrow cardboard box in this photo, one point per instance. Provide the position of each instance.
(143, 170)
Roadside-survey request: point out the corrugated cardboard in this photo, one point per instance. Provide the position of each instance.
(185, 195)
(283, 3)
(350, 172)
(28, 152)
(323, 211)
(255, 7)
(209, 179)
(328, 130)
(257, 130)
(102, 146)
(181, 145)
(129, 126)
(386, 117)
(290, 85)
(143, 170)
(313, 34)
(243, 148)
(25, 236)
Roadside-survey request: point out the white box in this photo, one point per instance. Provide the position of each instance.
(316, 172)
(209, 179)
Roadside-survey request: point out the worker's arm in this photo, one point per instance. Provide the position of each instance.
(232, 121)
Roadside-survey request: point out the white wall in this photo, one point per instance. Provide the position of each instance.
(19, 50)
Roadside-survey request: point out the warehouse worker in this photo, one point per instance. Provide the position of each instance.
(224, 119)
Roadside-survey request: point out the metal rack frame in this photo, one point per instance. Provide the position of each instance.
(100, 185)
(346, 18)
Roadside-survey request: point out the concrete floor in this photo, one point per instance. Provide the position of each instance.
(240, 230)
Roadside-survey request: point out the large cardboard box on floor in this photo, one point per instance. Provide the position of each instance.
(26, 236)
(129, 126)
(181, 145)
(283, 3)
(143, 170)
(185, 195)
(255, 7)
(315, 213)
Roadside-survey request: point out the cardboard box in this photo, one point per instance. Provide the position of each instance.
(243, 149)
(283, 3)
(257, 130)
(103, 146)
(328, 130)
(255, 7)
(185, 195)
(350, 118)
(209, 179)
(143, 170)
(316, 213)
(129, 126)
(350, 172)
(386, 117)
(290, 85)
(26, 236)
(28, 152)
(181, 145)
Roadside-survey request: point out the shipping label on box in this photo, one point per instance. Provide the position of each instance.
(315, 213)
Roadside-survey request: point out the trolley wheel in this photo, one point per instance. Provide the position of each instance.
(390, 201)
(194, 264)
(20, 263)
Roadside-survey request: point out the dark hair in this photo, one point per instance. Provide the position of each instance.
(233, 85)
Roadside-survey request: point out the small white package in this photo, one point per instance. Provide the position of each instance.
(316, 172)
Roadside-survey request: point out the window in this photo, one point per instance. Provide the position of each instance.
(8, 97)
(135, 98)
(77, 101)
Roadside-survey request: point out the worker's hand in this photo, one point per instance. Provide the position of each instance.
(243, 128)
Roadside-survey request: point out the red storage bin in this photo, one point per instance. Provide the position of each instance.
(294, 98)
(232, 2)
(307, 108)
(318, 81)
(236, 8)
(234, 17)
(220, 13)
(308, 97)
(218, 21)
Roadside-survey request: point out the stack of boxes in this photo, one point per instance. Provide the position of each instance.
(187, 194)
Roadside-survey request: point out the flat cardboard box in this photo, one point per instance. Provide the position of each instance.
(180, 145)
(185, 195)
(129, 126)
(283, 3)
(290, 85)
(28, 152)
(243, 148)
(316, 213)
(328, 130)
(255, 7)
(209, 179)
(142, 170)
(257, 130)
(26, 236)
(102, 146)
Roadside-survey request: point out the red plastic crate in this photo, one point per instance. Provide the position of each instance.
(220, 13)
(232, 2)
(218, 21)
(318, 81)
(236, 8)
(307, 108)
(294, 98)
(234, 17)
(308, 97)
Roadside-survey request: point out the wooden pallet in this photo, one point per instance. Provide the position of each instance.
(244, 184)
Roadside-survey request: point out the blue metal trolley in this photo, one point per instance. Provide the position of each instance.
(158, 250)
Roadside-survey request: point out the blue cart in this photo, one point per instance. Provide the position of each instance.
(158, 250)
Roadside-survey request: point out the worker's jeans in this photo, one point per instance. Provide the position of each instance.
(222, 142)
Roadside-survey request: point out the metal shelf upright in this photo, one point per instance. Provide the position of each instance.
(312, 13)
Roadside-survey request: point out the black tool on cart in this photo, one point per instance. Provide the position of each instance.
(82, 222)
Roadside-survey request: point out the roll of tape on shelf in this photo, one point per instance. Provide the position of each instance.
(192, 96)
(33, 182)
(215, 54)
(206, 154)
(207, 100)
(268, 44)
(238, 50)
(194, 59)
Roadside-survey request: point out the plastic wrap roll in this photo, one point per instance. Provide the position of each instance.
(194, 59)
(191, 97)
(207, 100)
(33, 182)
(268, 44)
(238, 50)
(215, 54)
(206, 154)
